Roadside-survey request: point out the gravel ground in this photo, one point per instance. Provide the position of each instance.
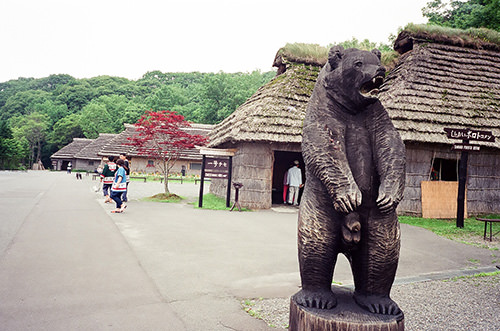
(467, 303)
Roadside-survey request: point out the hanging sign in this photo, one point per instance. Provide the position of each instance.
(466, 147)
(216, 167)
(466, 134)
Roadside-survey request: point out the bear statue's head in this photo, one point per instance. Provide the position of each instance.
(353, 76)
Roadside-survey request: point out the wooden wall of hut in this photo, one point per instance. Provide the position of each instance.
(483, 186)
(253, 167)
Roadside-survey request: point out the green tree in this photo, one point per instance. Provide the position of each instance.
(24, 102)
(9, 156)
(51, 83)
(167, 97)
(106, 114)
(95, 119)
(365, 45)
(10, 88)
(54, 110)
(464, 14)
(33, 129)
(76, 94)
(64, 131)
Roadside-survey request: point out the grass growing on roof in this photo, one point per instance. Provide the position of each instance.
(305, 53)
(318, 55)
(474, 36)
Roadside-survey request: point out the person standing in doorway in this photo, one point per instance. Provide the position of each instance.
(126, 166)
(294, 181)
(69, 167)
(285, 187)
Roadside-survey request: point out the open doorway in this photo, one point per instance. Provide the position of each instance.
(282, 162)
(64, 165)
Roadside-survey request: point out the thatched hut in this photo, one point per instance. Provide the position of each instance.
(267, 131)
(438, 82)
(82, 153)
(67, 154)
(445, 79)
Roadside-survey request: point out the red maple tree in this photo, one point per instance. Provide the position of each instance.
(162, 135)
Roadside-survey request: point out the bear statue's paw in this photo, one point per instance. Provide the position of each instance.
(321, 299)
(347, 203)
(377, 304)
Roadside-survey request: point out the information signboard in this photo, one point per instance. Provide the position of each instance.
(216, 167)
(466, 134)
(466, 147)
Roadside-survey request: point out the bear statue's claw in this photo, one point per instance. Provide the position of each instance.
(320, 299)
(377, 304)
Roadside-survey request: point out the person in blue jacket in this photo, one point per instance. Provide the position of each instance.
(119, 187)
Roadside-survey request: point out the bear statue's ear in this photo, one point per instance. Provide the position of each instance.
(377, 52)
(335, 55)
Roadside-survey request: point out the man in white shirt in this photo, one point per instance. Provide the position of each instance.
(294, 181)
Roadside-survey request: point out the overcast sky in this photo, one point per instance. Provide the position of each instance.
(127, 38)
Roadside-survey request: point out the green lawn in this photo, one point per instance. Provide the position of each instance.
(211, 201)
(471, 233)
(153, 178)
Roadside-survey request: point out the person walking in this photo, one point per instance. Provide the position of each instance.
(69, 167)
(119, 187)
(294, 181)
(107, 177)
(126, 166)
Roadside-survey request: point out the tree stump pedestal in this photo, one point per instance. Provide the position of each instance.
(347, 315)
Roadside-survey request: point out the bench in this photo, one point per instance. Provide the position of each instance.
(138, 177)
(171, 178)
(491, 221)
(199, 180)
(95, 176)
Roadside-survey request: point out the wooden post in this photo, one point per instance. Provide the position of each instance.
(346, 316)
(229, 175)
(200, 199)
(462, 180)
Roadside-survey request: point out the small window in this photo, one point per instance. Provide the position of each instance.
(195, 166)
(151, 163)
(91, 163)
(444, 170)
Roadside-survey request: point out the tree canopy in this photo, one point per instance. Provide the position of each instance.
(162, 135)
(464, 14)
(60, 107)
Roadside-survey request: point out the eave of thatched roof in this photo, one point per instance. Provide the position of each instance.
(438, 85)
(275, 112)
(90, 152)
(118, 144)
(476, 38)
(69, 151)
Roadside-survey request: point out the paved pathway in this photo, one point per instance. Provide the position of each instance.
(67, 263)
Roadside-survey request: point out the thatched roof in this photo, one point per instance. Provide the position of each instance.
(436, 84)
(120, 143)
(276, 111)
(69, 151)
(439, 84)
(90, 152)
